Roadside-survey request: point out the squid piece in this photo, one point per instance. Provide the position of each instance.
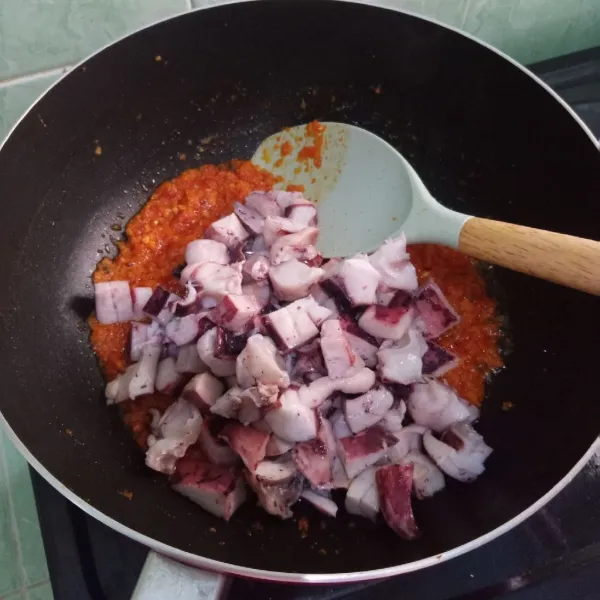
(315, 393)
(142, 375)
(276, 227)
(217, 489)
(256, 267)
(186, 330)
(178, 429)
(302, 212)
(251, 219)
(207, 350)
(264, 204)
(385, 322)
(229, 345)
(273, 472)
(410, 439)
(427, 478)
(392, 420)
(393, 265)
(228, 230)
(277, 488)
(277, 446)
(141, 335)
(435, 311)
(322, 503)
(314, 458)
(229, 404)
(365, 449)
(248, 443)
(205, 250)
(113, 302)
(235, 312)
(400, 362)
(217, 452)
(139, 298)
(394, 484)
(157, 301)
(339, 425)
(168, 379)
(298, 245)
(293, 421)
(340, 359)
(188, 360)
(460, 452)
(436, 406)
(290, 327)
(437, 361)
(292, 279)
(367, 410)
(259, 362)
(362, 498)
(352, 282)
(213, 280)
(202, 391)
(363, 344)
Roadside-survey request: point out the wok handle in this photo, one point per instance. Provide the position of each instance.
(570, 261)
(162, 578)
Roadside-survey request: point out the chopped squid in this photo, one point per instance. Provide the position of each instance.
(402, 361)
(394, 484)
(228, 230)
(436, 406)
(200, 251)
(217, 489)
(460, 452)
(113, 302)
(293, 372)
(340, 359)
(178, 429)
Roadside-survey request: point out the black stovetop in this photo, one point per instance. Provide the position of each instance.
(553, 555)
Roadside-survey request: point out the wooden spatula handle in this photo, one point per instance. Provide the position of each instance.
(570, 261)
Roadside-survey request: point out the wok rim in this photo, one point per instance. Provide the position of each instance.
(209, 564)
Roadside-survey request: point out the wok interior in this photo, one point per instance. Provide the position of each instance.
(486, 139)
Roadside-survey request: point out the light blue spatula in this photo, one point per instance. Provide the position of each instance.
(366, 191)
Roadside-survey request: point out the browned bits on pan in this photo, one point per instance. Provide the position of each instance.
(116, 227)
(322, 551)
(158, 58)
(212, 530)
(126, 493)
(69, 432)
(98, 150)
(182, 156)
(507, 405)
(303, 527)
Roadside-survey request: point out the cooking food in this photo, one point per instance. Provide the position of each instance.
(258, 366)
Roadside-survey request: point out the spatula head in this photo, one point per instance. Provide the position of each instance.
(362, 192)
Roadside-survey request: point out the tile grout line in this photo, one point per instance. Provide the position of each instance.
(39, 584)
(13, 522)
(19, 79)
(465, 12)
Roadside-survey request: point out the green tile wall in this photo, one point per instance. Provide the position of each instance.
(40, 39)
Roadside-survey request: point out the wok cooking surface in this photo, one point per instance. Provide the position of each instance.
(554, 554)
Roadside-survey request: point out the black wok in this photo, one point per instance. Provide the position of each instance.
(487, 138)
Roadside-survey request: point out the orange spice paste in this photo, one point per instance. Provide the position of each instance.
(314, 131)
(181, 209)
